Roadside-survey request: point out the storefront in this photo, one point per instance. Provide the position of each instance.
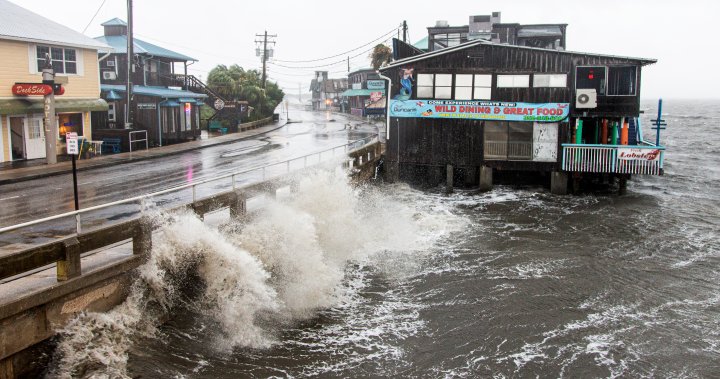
(21, 121)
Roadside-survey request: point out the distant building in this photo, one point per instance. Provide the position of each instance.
(326, 92)
(489, 28)
(366, 95)
(165, 104)
(25, 39)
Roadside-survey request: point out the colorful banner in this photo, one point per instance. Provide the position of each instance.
(481, 110)
(630, 154)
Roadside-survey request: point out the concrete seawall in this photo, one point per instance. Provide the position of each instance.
(92, 271)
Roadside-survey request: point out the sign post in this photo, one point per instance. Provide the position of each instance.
(71, 141)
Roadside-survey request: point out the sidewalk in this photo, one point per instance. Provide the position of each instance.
(14, 175)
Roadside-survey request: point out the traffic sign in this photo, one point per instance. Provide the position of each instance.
(71, 141)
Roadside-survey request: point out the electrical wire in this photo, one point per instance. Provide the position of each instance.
(340, 54)
(95, 15)
(329, 64)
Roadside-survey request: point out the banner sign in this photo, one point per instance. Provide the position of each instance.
(481, 110)
(375, 84)
(630, 154)
(25, 89)
(146, 106)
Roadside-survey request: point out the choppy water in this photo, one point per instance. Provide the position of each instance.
(398, 282)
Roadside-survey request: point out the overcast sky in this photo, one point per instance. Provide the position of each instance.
(682, 35)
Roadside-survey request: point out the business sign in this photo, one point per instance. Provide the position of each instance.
(29, 89)
(375, 84)
(71, 142)
(630, 154)
(146, 106)
(480, 110)
(375, 96)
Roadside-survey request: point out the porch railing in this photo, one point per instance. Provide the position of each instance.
(643, 159)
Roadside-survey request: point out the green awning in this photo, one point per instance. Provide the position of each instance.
(35, 105)
(360, 92)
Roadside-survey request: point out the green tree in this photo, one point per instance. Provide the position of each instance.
(236, 83)
(380, 55)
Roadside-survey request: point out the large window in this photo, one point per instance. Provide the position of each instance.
(473, 87)
(622, 81)
(549, 80)
(434, 86)
(508, 140)
(591, 77)
(70, 123)
(513, 81)
(64, 61)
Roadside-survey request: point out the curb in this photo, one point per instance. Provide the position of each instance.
(129, 160)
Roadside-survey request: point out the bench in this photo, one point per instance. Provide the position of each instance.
(216, 126)
(111, 145)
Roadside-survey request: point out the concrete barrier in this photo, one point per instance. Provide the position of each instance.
(32, 317)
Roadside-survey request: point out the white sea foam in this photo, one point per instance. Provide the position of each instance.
(283, 264)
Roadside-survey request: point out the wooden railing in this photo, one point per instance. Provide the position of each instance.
(612, 159)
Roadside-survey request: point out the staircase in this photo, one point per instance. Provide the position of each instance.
(191, 83)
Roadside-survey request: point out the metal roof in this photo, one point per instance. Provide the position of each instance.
(360, 92)
(114, 22)
(422, 44)
(472, 43)
(119, 44)
(18, 23)
(165, 92)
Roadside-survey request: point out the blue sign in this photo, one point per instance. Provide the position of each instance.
(375, 84)
(480, 110)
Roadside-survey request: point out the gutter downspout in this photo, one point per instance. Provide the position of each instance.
(387, 105)
(160, 121)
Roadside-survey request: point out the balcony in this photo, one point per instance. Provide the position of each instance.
(645, 159)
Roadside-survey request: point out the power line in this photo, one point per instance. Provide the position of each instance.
(95, 15)
(329, 64)
(340, 54)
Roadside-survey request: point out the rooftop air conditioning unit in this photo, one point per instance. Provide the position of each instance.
(109, 75)
(585, 98)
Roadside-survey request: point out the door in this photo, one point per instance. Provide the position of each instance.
(17, 137)
(34, 138)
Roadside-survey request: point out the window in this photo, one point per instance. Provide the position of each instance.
(70, 122)
(473, 87)
(513, 81)
(508, 140)
(483, 87)
(550, 80)
(443, 86)
(64, 61)
(591, 77)
(463, 87)
(622, 81)
(434, 86)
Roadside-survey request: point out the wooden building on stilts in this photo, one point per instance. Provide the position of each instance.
(468, 112)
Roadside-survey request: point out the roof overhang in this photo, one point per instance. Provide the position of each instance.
(469, 44)
(100, 47)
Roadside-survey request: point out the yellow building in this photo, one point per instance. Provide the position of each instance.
(25, 39)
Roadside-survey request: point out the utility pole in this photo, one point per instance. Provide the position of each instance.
(264, 56)
(404, 31)
(348, 63)
(130, 67)
(300, 93)
(51, 132)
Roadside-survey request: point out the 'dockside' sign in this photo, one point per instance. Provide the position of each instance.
(481, 110)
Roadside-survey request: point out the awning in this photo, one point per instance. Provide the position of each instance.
(361, 92)
(164, 92)
(35, 105)
(112, 95)
(169, 103)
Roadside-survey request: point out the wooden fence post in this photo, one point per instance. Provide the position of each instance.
(238, 205)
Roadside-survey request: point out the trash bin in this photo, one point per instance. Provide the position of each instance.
(276, 117)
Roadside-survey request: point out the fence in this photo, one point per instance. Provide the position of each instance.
(604, 159)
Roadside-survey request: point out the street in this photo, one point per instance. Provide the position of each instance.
(308, 132)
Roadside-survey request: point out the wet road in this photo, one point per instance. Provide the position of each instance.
(308, 132)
